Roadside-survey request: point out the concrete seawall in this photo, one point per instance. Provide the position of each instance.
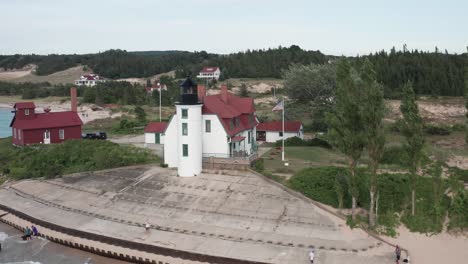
(109, 246)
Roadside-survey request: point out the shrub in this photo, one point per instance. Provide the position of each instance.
(459, 127)
(319, 184)
(296, 141)
(396, 155)
(259, 165)
(434, 129)
(69, 157)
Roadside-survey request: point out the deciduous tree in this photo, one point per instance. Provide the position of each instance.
(346, 124)
(412, 128)
(372, 113)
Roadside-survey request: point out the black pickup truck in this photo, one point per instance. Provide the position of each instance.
(97, 135)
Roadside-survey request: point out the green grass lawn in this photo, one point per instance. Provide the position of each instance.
(302, 157)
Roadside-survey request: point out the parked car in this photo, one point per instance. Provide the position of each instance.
(97, 135)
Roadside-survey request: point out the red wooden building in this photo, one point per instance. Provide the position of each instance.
(29, 127)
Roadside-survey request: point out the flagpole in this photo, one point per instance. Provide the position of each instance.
(282, 153)
(159, 103)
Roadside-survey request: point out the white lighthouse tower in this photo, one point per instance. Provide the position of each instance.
(189, 130)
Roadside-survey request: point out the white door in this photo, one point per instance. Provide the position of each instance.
(47, 137)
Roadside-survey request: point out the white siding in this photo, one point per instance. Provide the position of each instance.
(272, 136)
(150, 138)
(170, 148)
(215, 142)
(192, 164)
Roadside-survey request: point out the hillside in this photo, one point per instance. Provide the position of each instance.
(432, 73)
(27, 74)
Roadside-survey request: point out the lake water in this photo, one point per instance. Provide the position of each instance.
(5, 119)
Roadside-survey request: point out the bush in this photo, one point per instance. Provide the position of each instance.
(434, 129)
(319, 184)
(296, 141)
(259, 165)
(396, 155)
(459, 174)
(69, 157)
(459, 127)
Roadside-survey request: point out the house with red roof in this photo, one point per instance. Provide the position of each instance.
(89, 80)
(29, 126)
(273, 131)
(209, 73)
(156, 86)
(205, 126)
(154, 132)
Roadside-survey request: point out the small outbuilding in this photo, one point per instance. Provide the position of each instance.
(273, 131)
(154, 132)
(30, 127)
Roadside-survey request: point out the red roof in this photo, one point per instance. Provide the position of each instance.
(289, 126)
(235, 107)
(209, 69)
(48, 120)
(90, 78)
(154, 127)
(24, 105)
(237, 139)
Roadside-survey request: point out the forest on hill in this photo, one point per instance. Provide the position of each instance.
(432, 73)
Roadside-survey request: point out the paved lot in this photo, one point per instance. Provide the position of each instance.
(239, 216)
(38, 250)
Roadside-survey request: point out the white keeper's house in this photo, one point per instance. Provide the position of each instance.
(214, 130)
(210, 73)
(89, 80)
(273, 131)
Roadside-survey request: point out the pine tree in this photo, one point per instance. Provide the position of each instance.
(346, 124)
(373, 114)
(413, 132)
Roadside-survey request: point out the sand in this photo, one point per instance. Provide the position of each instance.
(434, 249)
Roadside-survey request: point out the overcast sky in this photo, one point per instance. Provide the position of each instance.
(223, 26)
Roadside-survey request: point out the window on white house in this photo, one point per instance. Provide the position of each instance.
(185, 150)
(26, 111)
(208, 126)
(184, 113)
(248, 140)
(184, 129)
(61, 134)
(280, 134)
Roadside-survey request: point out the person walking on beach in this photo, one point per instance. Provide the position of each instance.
(398, 253)
(311, 256)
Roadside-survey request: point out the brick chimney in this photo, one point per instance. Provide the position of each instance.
(201, 91)
(224, 93)
(73, 99)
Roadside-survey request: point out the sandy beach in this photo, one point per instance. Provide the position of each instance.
(433, 249)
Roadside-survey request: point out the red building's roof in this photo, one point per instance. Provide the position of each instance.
(235, 107)
(156, 127)
(24, 105)
(209, 69)
(289, 126)
(48, 120)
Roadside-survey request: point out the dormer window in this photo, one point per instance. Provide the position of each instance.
(231, 124)
(26, 111)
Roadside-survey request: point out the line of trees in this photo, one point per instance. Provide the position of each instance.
(432, 73)
(356, 124)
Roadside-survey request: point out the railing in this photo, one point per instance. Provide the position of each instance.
(234, 155)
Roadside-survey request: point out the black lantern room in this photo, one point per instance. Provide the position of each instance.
(188, 92)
